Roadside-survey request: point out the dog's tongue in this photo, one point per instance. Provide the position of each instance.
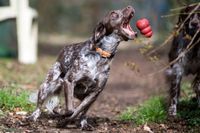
(129, 30)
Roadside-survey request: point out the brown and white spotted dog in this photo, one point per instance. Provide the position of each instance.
(189, 63)
(82, 69)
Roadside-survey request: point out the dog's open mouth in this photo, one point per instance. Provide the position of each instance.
(127, 28)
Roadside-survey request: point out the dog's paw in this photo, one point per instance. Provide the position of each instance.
(86, 126)
(172, 111)
(34, 116)
(31, 118)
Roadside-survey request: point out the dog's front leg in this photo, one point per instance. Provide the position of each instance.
(174, 92)
(196, 87)
(51, 85)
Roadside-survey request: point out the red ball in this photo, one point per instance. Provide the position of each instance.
(142, 23)
(146, 30)
(149, 34)
(144, 27)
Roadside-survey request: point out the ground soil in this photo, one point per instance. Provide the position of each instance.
(125, 87)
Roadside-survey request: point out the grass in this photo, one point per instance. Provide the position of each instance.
(155, 109)
(12, 98)
(188, 107)
(189, 112)
(127, 115)
(17, 80)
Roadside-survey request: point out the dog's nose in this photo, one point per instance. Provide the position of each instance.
(130, 8)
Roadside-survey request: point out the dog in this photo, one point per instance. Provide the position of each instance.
(82, 69)
(189, 62)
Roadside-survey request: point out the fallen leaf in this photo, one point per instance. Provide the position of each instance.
(21, 113)
(162, 125)
(147, 128)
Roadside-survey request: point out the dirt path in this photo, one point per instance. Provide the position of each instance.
(125, 87)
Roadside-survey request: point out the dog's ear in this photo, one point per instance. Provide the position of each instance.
(99, 32)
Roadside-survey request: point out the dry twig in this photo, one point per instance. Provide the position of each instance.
(188, 48)
(182, 7)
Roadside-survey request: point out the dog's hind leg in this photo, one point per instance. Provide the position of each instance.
(175, 77)
(86, 103)
(52, 85)
(196, 87)
(69, 97)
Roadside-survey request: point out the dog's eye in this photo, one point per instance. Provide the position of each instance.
(114, 15)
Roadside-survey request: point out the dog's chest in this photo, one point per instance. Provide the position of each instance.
(86, 73)
(89, 67)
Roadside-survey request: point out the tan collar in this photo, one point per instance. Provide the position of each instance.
(103, 53)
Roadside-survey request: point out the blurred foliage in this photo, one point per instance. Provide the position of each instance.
(79, 17)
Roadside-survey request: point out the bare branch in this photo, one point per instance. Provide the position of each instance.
(175, 14)
(182, 7)
(177, 31)
(188, 48)
(162, 45)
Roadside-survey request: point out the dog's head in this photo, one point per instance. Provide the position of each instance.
(192, 25)
(117, 21)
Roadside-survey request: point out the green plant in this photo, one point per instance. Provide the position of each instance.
(153, 110)
(11, 98)
(189, 111)
(127, 115)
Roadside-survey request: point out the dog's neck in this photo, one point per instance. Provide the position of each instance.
(107, 46)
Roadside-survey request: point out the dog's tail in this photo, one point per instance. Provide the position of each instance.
(50, 104)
